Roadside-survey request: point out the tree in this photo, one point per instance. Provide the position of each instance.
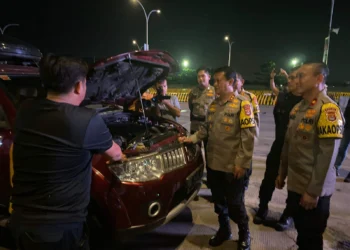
(263, 77)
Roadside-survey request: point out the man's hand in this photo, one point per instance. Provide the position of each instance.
(238, 172)
(273, 73)
(280, 182)
(166, 102)
(185, 139)
(124, 158)
(283, 72)
(308, 201)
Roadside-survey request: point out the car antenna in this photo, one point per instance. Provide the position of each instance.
(140, 96)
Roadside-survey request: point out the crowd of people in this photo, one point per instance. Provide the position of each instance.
(224, 117)
(309, 126)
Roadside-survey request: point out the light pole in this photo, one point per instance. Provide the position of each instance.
(6, 26)
(328, 38)
(229, 49)
(146, 47)
(135, 43)
(294, 62)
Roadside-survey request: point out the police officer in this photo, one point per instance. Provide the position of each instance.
(200, 98)
(309, 152)
(285, 103)
(254, 100)
(230, 130)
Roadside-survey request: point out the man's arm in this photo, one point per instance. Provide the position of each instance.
(246, 146)
(256, 110)
(190, 105)
(174, 108)
(283, 169)
(328, 144)
(272, 83)
(98, 140)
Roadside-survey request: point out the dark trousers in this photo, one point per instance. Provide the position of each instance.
(310, 224)
(51, 237)
(228, 194)
(343, 148)
(247, 175)
(272, 166)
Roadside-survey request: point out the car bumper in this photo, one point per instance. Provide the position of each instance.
(138, 229)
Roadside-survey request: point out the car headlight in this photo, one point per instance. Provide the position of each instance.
(138, 170)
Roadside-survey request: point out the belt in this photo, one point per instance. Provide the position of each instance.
(199, 119)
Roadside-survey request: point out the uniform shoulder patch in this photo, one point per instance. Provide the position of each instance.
(330, 123)
(255, 103)
(246, 116)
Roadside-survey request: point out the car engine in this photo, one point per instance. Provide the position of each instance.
(133, 131)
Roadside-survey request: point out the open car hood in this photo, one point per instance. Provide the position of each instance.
(117, 79)
(14, 49)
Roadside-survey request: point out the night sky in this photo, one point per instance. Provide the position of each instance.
(188, 29)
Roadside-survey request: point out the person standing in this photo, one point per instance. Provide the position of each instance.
(284, 104)
(167, 108)
(230, 130)
(344, 144)
(256, 109)
(54, 142)
(308, 156)
(200, 98)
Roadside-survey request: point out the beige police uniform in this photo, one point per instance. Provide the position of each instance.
(230, 130)
(256, 109)
(311, 145)
(198, 102)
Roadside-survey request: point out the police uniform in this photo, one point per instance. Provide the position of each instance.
(198, 102)
(308, 157)
(230, 130)
(284, 104)
(256, 109)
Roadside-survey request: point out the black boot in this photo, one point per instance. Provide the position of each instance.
(260, 215)
(243, 237)
(283, 224)
(224, 232)
(222, 235)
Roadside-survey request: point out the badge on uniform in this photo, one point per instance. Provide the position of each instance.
(246, 115)
(330, 123)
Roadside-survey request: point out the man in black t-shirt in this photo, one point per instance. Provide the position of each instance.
(54, 142)
(286, 100)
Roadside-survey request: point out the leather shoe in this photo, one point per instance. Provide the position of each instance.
(283, 224)
(222, 235)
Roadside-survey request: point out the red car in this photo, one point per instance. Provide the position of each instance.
(161, 176)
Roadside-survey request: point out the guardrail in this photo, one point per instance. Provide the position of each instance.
(264, 97)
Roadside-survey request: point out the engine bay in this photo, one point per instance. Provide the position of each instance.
(134, 132)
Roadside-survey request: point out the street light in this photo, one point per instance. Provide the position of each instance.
(227, 38)
(294, 62)
(6, 26)
(328, 38)
(135, 43)
(185, 63)
(146, 47)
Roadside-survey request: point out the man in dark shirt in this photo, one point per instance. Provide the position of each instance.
(286, 100)
(54, 142)
(344, 144)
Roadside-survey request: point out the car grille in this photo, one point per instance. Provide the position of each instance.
(173, 159)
